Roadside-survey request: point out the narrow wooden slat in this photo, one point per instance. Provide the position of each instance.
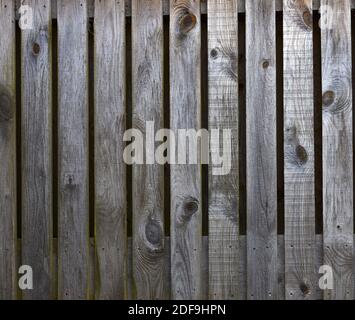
(338, 225)
(73, 199)
(261, 150)
(299, 150)
(7, 151)
(37, 150)
(148, 180)
(223, 114)
(110, 170)
(185, 113)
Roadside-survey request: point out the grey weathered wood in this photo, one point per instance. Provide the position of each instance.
(37, 150)
(242, 264)
(223, 114)
(338, 225)
(299, 150)
(110, 170)
(149, 261)
(131, 295)
(55, 265)
(73, 202)
(261, 150)
(204, 4)
(7, 152)
(185, 113)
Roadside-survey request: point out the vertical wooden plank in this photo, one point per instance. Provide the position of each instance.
(110, 170)
(37, 150)
(185, 113)
(338, 147)
(299, 150)
(73, 150)
(261, 150)
(7, 151)
(223, 197)
(148, 180)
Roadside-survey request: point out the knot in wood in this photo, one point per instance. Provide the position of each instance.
(6, 109)
(265, 64)
(190, 207)
(307, 18)
(36, 49)
(153, 232)
(304, 289)
(328, 98)
(301, 155)
(187, 22)
(69, 181)
(214, 53)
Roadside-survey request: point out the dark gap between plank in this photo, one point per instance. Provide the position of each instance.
(166, 104)
(353, 88)
(91, 128)
(242, 125)
(318, 148)
(18, 131)
(129, 119)
(55, 124)
(280, 125)
(204, 119)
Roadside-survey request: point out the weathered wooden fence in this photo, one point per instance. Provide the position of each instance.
(92, 227)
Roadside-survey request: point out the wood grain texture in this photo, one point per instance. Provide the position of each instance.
(299, 150)
(223, 114)
(338, 227)
(8, 204)
(110, 170)
(149, 261)
(73, 221)
(36, 153)
(185, 113)
(261, 150)
(242, 265)
(166, 6)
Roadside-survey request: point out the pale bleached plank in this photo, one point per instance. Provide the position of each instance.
(261, 150)
(338, 225)
(8, 204)
(73, 198)
(36, 133)
(223, 114)
(149, 261)
(185, 113)
(299, 150)
(110, 170)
